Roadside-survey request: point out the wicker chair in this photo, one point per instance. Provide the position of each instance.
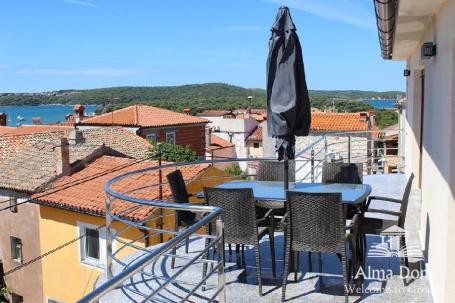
(315, 222)
(375, 226)
(240, 223)
(339, 172)
(183, 219)
(274, 171)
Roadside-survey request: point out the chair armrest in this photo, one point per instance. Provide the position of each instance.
(385, 212)
(266, 216)
(370, 198)
(283, 220)
(354, 223)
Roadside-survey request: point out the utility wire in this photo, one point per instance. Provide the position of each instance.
(48, 253)
(56, 190)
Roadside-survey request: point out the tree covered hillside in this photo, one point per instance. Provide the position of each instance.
(195, 96)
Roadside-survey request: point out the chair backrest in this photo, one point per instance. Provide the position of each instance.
(405, 201)
(238, 213)
(339, 172)
(274, 171)
(179, 193)
(317, 221)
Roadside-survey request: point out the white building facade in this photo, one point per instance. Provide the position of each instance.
(423, 35)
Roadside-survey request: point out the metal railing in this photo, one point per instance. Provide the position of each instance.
(130, 255)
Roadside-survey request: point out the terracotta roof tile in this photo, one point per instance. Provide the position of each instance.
(214, 113)
(84, 191)
(117, 138)
(219, 142)
(32, 168)
(256, 135)
(143, 116)
(30, 129)
(338, 121)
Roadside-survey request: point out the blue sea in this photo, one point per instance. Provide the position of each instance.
(381, 103)
(47, 113)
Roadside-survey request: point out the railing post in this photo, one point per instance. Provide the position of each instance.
(349, 148)
(326, 149)
(108, 237)
(312, 165)
(220, 248)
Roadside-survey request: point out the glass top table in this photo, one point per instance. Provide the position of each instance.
(351, 194)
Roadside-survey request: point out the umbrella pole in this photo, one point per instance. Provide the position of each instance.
(286, 175)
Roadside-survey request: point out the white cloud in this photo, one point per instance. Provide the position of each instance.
(354, 12)
(96, 72)
(245, 28)
(80, 2)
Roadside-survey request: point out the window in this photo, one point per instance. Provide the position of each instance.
(256, 145)
(93, 245)
(15, 298)
(170, 137)
(151, 137)
(13, 204)
(16, 249)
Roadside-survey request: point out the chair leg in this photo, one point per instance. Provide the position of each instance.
(243, 256)
(345, 277)
(174, 250)
(272, 253)
(258, 267)
(310, 263)
(403, 248)
(287, 253)
(296, 265)
(187, 245)
(204, 266)
(320, 268)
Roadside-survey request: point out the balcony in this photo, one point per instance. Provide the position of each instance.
(141, 272)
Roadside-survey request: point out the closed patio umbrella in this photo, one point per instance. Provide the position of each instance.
(288, 104)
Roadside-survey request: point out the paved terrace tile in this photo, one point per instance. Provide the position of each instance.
(311, 286)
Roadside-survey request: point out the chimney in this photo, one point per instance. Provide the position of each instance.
(62, 153)
(208, 136)
(363, 116)
(248, 113)
(79, 111)
(3, 119)
(187, 111)
(36, 120)
(76, 137)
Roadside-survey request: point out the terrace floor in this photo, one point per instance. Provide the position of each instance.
(310, 286)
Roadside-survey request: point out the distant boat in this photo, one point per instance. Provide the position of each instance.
(20, 118)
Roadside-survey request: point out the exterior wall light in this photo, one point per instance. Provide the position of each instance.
(428, 50)
(406, 73)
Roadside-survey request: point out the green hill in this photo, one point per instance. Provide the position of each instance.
(195, 96)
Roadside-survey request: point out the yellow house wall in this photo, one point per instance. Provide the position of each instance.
(196, 186)
(65, 278)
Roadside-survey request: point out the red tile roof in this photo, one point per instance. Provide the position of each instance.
(339, 121)
(143, 116)
(116, 138)
(219, 142)
(215, 113)
(30, 129)
(255, 136)
(84, 192)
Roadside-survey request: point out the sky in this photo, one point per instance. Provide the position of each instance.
(61, 44)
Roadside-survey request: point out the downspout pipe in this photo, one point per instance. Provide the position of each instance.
(386, 15)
